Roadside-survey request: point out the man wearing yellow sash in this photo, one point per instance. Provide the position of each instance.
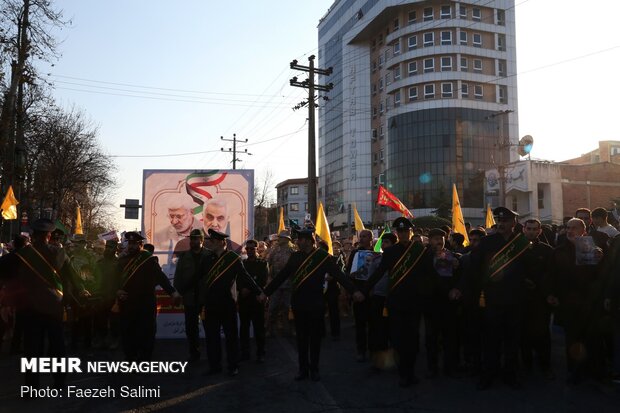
(499, 266)
(38, 276)
(137, 275)
(220, 306)
(408, 290)
(307, 268)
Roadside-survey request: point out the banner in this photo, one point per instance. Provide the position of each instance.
(9, 205)
(458, 223)
(359, 224)
(177, 201)
(386, 198)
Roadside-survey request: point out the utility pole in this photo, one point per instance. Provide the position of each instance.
(233, 150)
(311, 86)
(503, 144)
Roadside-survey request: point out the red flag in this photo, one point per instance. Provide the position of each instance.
(389, 199)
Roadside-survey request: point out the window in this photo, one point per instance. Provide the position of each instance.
(375, 158)
(501, 68)
(412, 68)
(478, 65)
(380, 84)
(446, 90)
(412, 42)
(463, 64)
(515, 204)
(476, 14)
(463, 37)
(502, 92)
(397, 99)
(397, 73)
(294, 207)
(305, 206)
(374, 65)
(429, 39)
(541, 197)
(446, 38)
(446, 12)
(413, 93)
(477, 40)
(306, 193)
(382, 179)
(374, 111)
(429, 65)
(381, 132)
(387, 79)
(387, 104)
(462, 11)
(386, 55)
(396, 48)
(294, 190)
(381, 158)
(464, 90)
(411, 17)
(381, 107)
(478, 91)
(396, 24)
(446, 63)
(501, 17)
(428, 14)
(374, 88)
(380, 60)
(429, 91)
(380, 39)
(501, 42)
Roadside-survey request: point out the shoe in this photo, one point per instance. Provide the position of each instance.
(484, 383)
(233, 371)
(301, 375)
(314, 376)
(213, 371)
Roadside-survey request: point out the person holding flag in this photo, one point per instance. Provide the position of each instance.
(307, 268)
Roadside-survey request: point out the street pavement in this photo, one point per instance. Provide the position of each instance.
(346, 386)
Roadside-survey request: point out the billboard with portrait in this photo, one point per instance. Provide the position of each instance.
(177, 201)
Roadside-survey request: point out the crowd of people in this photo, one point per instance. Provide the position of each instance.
(486, 300)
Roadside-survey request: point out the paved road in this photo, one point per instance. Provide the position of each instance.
(345, 386)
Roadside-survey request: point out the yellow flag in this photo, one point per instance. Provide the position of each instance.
(9, 205)
(78, 222)
(458, 223)
(322, 228)
(281, 226)
(489, 221)
(359, 224)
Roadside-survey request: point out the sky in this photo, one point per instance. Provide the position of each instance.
(165, 78)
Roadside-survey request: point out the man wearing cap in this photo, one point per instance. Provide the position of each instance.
(105, 320)
(499, 265)
(189, 269)
(137, 275)
(39, 275)
(280, 302)
(306, 269)
(408, 287)
(224, 268)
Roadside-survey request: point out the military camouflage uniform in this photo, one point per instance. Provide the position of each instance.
(280, 302)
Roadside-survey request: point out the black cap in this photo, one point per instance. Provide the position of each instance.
(213, 234)
(307, 233)
(402, 223)
(43, 225)
(111, 243)
(133, 236)
(197, 233)
(503, 212)
(436, 232)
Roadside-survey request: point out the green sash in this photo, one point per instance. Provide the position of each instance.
(405, 264)
(510, 252)
(41, 267)
(309, 266)
(133, 265)
(221, 266)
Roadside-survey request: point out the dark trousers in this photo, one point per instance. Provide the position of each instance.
(39, 328)
(447, 329)
(501, 329)
(215, 320)
(308, 328)
(106, 322)
(361, 312)
(473, 335)
(192, 320)
(378, 326)
(138, 327)
(536, 334)
(333, 310)
(251, 312)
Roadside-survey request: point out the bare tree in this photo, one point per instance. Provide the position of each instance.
(264, 197)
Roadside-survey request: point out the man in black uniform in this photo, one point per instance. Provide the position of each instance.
(409, 292)
(105, 270)
(536, 336)
(224, 268)
(38, 276)
(308, 267)
(190, 268)
(500, 264)
(137, 275)
(251, 310)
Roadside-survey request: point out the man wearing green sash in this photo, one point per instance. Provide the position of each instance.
(38, 276)
(499, 265)
(307, 268)
(137, 275)
(216, 286)
(409, 289)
